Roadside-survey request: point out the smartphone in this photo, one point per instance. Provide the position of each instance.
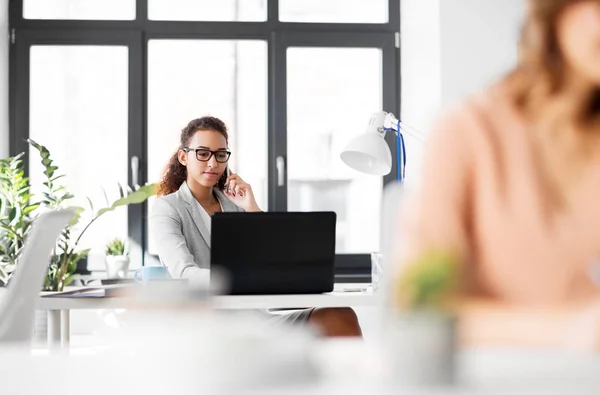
(224, 177)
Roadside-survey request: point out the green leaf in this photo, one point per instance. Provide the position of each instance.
(17, 157)
(116, 247)
(90, 203)
(72, 266)
(135, 197)
(82, 253)
(105, 196)
(77, 216)
(49, 197)
(29, 209)
(53, 179)
(68, 279)
(10, 231)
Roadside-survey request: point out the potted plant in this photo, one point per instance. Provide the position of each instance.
(117, 259)
(18, 209)
(64, 263)
(67, 253)
(423, 330)
(16, 213)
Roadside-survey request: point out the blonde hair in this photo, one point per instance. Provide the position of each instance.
(541, 70)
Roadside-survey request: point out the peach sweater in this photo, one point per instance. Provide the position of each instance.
(482, 194)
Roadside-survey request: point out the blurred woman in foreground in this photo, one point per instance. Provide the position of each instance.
(511, 185)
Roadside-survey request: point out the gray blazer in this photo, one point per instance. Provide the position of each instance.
(179, 232)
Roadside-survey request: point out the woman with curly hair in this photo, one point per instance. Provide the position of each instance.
(195, 184)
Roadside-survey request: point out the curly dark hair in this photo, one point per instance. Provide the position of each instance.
(175, 173)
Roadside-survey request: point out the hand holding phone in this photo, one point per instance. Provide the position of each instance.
(227, 174)
(239, 192)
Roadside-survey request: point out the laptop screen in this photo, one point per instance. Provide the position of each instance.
(279, 251)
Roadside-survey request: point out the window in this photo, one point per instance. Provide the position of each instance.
(207, 10)
(293, 80)
(68, 87)
(79, 9)
(326, 104)
(334, 11)
(231, 85)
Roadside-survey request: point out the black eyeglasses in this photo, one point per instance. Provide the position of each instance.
(204, 155)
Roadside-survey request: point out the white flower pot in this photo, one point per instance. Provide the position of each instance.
(117, 266)
(422, 349)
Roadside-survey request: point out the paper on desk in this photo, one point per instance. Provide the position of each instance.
(86, 292)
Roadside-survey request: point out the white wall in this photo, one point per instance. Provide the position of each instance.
(451, 48)
(478, 43)
(4, 44)
(421, 61)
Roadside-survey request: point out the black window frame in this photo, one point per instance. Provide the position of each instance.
(136, 33)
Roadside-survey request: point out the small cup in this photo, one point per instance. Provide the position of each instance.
(151, 273)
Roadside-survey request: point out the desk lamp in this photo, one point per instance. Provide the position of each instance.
(369, 153)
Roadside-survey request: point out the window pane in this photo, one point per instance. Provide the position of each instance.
(334, 11)
(79, 111)
(207, 10)
(326, 106)
(188, 79)
(79, 9)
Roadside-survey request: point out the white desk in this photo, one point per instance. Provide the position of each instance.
(59, 308)
(345, 367)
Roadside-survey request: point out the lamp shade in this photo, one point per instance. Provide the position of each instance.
(368, 153)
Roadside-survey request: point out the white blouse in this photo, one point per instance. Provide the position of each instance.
(205, 217)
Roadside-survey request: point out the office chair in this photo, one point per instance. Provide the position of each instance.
(17, 307)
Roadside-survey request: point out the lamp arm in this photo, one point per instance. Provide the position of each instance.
(390, 122)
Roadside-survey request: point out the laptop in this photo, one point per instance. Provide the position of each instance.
(273, 252)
